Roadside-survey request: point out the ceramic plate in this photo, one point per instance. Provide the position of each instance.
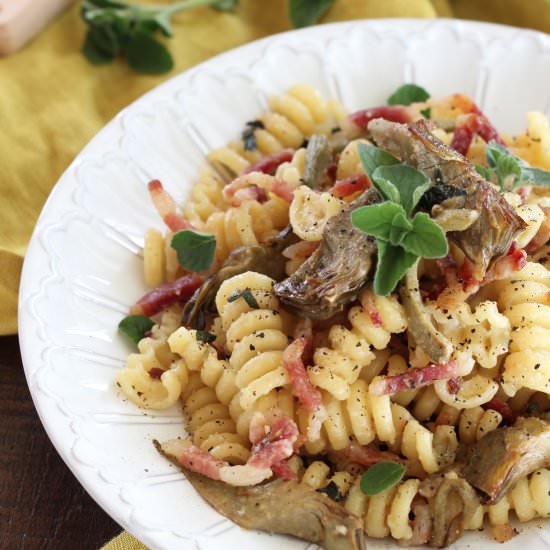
(82, 269)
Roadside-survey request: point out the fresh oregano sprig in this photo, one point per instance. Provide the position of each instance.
(509, 171)
(118, 28)
(401, 237)
(195, 250)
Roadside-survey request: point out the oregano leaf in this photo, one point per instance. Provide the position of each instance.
(410, 183)
(377, 219)
(195, 250)
(400, 227)
(493, 151)
(381, 477)
(508, 171)
(426, 239)
(407, 94)
(136, 326)
(372, 157)
(483, 171)
(101, 45)
(147, 55)
(535, 176)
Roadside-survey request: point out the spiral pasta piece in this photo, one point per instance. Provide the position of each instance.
(293, 117)
(482, 333)
(255, 336)
(210, 425)
(202, 357)
(155, 377)
(293, 171)
(525, 301)
(318, 476)
(248, 224)
(533, 216)
(365, 417)
(309, 212)
(336, 367)
(386, 513)
(472, 424)
(206, 198)
(221, 375)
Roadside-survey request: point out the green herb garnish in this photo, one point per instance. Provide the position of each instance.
(248, 136)
(380, 477)
(195, 250)
(405, 184)
(407, 94)
(401, 238)
(303, 13)
(372, 157)
(136, 326)
(484, 172)
(509, 171)
(248, 297)
(119, 28)
(205, 336)
(426, 113)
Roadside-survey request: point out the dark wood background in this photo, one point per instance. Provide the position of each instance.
(42, 505)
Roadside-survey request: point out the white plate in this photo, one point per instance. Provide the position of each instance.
(82, 270)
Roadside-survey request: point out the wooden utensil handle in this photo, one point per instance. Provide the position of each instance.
(20, 20)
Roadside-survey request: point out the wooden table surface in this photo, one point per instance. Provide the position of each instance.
(42, 505)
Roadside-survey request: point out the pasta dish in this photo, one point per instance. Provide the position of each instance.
(354, 311)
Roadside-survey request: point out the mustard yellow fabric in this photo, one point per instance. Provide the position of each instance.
(52, 101)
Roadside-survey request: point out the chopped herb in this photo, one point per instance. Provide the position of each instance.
(426, 113)
(407, 94)
(205, 336)
(380, 477)
(332, 491)
(195, 250)
(248, 136)
(136, 326)
(247, 295)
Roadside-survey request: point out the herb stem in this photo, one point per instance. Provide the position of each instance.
(178, 6)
